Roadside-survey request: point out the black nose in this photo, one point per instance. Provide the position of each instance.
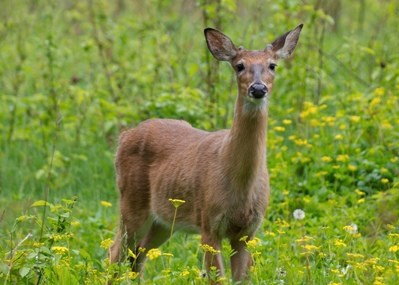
(258, 90)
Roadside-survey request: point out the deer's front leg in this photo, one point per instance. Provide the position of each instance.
(213, 256)
(241, 260)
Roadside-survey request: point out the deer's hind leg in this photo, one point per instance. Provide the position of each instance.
(134, 207)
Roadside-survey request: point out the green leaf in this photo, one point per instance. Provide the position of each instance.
(41, 203)
(24, 271)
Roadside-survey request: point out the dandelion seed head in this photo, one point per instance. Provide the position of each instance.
(299, 214)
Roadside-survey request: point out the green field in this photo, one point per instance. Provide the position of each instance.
(73, 74)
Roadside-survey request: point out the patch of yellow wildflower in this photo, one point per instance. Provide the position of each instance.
(58, 237)
(342, 157)
(355, 119)
(337, 272)
(251, 244)
(210, 249)
(326, 159)
(360, 193)
(60, 249)
(393, 248)
(372, 261)
(354, 255)
(352, 167)
(379, 281)
(131, 275)
(279, 129)
(106, 243)
(309, 249)
(154, 253)
(185, 272)
(304, 239)
(339, 243)
(268, 233)
(339, 137)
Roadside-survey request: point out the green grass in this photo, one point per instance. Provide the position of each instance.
(73, 75)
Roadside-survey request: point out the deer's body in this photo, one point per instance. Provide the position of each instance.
(221, 176)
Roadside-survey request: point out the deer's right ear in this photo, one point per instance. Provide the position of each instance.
(220, 45)
(285, 45)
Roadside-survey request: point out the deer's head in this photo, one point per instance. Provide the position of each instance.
(255, 69)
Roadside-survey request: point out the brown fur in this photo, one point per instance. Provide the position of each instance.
(221, 175)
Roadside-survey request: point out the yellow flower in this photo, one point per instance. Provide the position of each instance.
(154, 253)
(384, 181)
(210, 249)
(339, 243)
(379, 281)
(339, 137)
(184, 273)
(105, 204)
(360, 193)
(133, 275)
(394, 159)
(352, 167)
(375, 102)
(321, 173)
(304, 239)
(326, 159)
(372, 261)
(394, 248)
(106, 243)
(360, 201)
(310, 247)
(393, 235)
(309, 109)
(354, 255)
(177, 202)
(279, 129)
(270, 233)
(355, 119)
(60, 249)
(287, 122)
(379, 91)
(342, 157)
(253, 243)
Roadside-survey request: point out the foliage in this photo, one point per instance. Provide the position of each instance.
(73, 74)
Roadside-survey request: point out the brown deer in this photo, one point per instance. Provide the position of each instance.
(221, 175)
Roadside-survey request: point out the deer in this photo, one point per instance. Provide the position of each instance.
(221, 175)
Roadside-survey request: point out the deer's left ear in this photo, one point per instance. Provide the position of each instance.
(285, 45)
(220, 45)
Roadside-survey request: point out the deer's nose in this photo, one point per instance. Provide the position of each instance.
(258, 90)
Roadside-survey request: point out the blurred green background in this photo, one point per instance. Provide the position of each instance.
(73, 74)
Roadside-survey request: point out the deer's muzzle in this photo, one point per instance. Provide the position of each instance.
(257, 90)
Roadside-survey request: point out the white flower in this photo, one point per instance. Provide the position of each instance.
(299, 214)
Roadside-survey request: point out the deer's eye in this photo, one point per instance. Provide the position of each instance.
(240, 67)
(272, 66)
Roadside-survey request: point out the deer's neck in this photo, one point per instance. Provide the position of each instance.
(245, 147)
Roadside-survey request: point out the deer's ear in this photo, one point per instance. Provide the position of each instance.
(285, 45)
(220, 45)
